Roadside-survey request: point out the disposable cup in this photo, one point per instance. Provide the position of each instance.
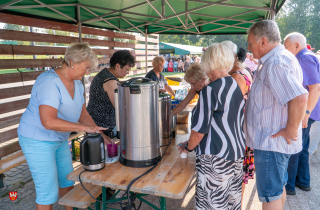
(112, 150)
(184, 155)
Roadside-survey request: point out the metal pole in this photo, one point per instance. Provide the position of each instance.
(163, 4)
(79, 22)
(273, 15)
(34, 56)
(146, 44)
(186, 15)
(80, 41)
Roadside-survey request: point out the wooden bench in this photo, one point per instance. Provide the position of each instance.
(79, 198)
(12, 161)
(18, 158)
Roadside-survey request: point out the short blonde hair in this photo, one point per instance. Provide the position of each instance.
(157, 60)
(234, 49)
(218, 55)
(80, 52)
(195, 72)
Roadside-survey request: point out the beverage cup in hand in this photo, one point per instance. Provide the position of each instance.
(184, 155)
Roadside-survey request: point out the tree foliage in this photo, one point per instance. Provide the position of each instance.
(301, 16)
(295, 16)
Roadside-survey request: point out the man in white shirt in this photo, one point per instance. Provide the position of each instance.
(274, 112)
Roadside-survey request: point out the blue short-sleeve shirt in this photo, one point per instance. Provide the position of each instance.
(311, 75)
(49, 90)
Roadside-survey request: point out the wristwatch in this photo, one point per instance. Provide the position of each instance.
(307, 112)
(186, 147)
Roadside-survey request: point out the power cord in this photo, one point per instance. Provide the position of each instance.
(131, 198)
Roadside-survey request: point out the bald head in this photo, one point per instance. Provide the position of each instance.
(295, 42)
(296, 37)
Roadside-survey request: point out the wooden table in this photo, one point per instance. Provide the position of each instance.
(189, 107)
(170, 179)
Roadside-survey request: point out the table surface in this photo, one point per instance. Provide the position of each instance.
(189, 108)
(171, 178)
(76, 135)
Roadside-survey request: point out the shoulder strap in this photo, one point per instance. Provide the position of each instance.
(107, 80)
(249, 70)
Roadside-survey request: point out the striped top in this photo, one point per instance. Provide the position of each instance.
(278, 80)
(219, 115)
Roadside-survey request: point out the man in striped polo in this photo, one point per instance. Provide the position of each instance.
(274, 111)
(298, 168)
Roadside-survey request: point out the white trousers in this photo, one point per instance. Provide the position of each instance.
(314, 137)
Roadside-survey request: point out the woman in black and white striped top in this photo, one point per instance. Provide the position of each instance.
(217, 134)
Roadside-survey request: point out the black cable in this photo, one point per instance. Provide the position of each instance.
(135, 179)
(130, 203)
(90, 193)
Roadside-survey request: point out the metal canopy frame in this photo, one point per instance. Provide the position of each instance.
(140, 25)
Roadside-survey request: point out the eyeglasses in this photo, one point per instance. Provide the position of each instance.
(194, 83)
(88, 69)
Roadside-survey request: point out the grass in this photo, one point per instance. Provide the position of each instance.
(7, 71)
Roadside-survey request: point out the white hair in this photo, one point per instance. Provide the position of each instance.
(218, 55)
(265, 28)
(195, 72)
(233, 47)
(80, 52)
(296, 37)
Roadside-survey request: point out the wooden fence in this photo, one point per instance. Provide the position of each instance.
(15, 88)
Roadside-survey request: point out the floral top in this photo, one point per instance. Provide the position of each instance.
(248, 82)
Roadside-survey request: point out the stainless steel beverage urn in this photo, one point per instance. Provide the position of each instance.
(92, 152)
(137, 122)
(165, 118)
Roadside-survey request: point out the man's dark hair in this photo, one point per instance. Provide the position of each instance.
(123, 58)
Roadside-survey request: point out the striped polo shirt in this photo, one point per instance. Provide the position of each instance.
(219, 115)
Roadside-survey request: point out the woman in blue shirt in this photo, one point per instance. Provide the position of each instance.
(56, 106)
(175, 65)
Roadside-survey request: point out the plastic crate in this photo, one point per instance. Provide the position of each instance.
(171, 82)
(174, 103)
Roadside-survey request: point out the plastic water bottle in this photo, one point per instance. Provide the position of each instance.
(185, 93)
(178, 95)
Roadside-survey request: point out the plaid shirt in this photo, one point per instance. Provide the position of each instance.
(277, 81)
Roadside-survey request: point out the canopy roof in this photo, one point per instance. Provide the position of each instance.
(151, 16)
(180, 49)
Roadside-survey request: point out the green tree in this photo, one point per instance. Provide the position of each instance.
(314, 37)
(300, 16)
